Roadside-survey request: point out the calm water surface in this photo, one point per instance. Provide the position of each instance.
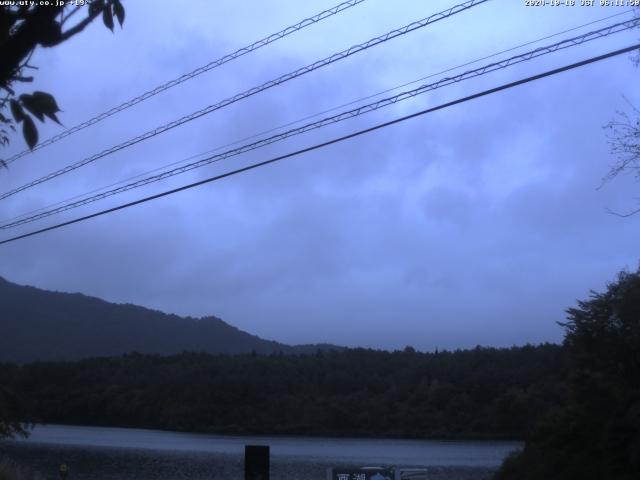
(109, 453)
(376, 451)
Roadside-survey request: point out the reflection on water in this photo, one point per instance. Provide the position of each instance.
(95, 453)
(376, 451)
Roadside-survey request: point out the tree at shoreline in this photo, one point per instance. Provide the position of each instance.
(595, 434)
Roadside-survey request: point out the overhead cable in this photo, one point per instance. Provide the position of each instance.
(272, 83)
(329, 142)
(188, 76)
(492, 67)
(308, 117)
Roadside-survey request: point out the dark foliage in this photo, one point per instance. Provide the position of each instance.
(482, 393)
(23, 28)
(596, 432)
(14, 414)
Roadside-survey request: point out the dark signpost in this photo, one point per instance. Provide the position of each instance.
(256, 462)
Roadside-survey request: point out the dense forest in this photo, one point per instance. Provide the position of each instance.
(577, 405)
(481, 393)
(594, 433)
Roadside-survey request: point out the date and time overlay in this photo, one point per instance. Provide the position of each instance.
(582, 3)
(527, 3)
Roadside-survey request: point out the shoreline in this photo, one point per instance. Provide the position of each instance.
(306, 435)
(109, 463)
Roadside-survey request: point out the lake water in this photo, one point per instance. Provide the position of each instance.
(96, 453)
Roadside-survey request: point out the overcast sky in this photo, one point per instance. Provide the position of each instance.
(478, 224)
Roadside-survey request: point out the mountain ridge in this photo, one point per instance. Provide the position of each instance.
(44, 325)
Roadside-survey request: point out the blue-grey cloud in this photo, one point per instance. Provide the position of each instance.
(477, 224)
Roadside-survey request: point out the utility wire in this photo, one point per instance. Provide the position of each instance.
(272, 83)
(188, 76)
(492, 67)
(490, 91)
(308, 117)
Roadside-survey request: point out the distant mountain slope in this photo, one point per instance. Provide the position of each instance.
(38, 324)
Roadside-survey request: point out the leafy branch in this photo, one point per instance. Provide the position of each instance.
(23, 29)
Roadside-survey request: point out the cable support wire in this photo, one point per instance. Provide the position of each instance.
(308, 117)
(317, 146)
(272, 83)
(492, 67)
(188, 76)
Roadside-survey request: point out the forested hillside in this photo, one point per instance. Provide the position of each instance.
(484, 392)
(37, 324)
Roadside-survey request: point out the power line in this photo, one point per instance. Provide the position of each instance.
(308, 117)
(331, 142)
(492, 67)
(194, 73)
(272, 83)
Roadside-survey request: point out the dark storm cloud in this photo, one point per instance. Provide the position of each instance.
(476, 224)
